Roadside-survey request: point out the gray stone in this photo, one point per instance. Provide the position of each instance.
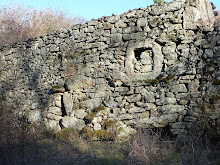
(55, 110)
(203, 12)
(134, 98)
(149, 97)
(169, 100)
(53, 116)
(140, 90)
(121, 89)
(147, 122)
(208, 53)
(145, 114)
(150, 106)
(134, 36)
(34, 106)
(54, 48)
(68, 103)
(181, 88)
(120, 24)
(116, 39)
(78, 82)
(142, 22)
(34, 116)
(146, 68)
(136, 110)
(58, 103)
(52, 125)
(97, 126)
(80, 113)
(165, 119)
(126, 132)
(87, 104)
(170, 109)
(125, 117)
(72, 122)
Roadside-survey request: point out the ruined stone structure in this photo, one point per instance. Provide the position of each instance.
(149, 67)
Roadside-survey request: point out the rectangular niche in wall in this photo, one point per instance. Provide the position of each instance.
(143, 61)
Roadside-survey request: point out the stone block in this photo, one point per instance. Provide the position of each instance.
(34, 116)
(170, 118)
(55, 110)
(80, 113)
(72, 122)
(68, 103)
(52, 116)
(136, 110)
(134, 98)
(97, 126)
(52, 125)
(170, 109)
(180, 88)
(125, 117)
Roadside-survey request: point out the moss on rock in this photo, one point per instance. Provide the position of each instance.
(93, 113)
(57, 89)
(216, 82)
(67, 134)
(102, 135)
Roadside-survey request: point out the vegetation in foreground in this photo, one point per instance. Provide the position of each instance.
(21, 143)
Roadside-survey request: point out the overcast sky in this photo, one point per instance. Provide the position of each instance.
(89, 9)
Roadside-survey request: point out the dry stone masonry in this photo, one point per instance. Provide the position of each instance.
(149, 67)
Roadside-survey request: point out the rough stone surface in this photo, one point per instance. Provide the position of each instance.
(68, 103)
(148, 67)
(72, 122)
(34, 116)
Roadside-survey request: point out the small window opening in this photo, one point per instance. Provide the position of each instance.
(138, 52)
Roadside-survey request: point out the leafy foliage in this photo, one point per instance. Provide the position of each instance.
(158, 1)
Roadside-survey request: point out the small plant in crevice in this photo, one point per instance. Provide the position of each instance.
(88, 119)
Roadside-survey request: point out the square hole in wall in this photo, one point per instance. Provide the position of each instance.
(143, 60)
(137, 53)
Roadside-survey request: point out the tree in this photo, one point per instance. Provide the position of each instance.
(19, 23)
(158, 1)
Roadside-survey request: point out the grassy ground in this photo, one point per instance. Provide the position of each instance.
(23, 144)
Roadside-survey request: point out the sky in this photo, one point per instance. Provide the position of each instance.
(88, 9)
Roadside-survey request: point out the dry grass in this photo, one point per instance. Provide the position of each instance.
(148, 147)
(21, 143)
(19, 23)
(30, 144)
(153, 148)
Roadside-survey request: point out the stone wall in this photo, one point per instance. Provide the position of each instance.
(149, 67)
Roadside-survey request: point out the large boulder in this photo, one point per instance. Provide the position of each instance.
(199, 12)
(78, 82)
(72, 122)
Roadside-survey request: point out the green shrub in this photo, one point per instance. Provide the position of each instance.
(158, 1)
